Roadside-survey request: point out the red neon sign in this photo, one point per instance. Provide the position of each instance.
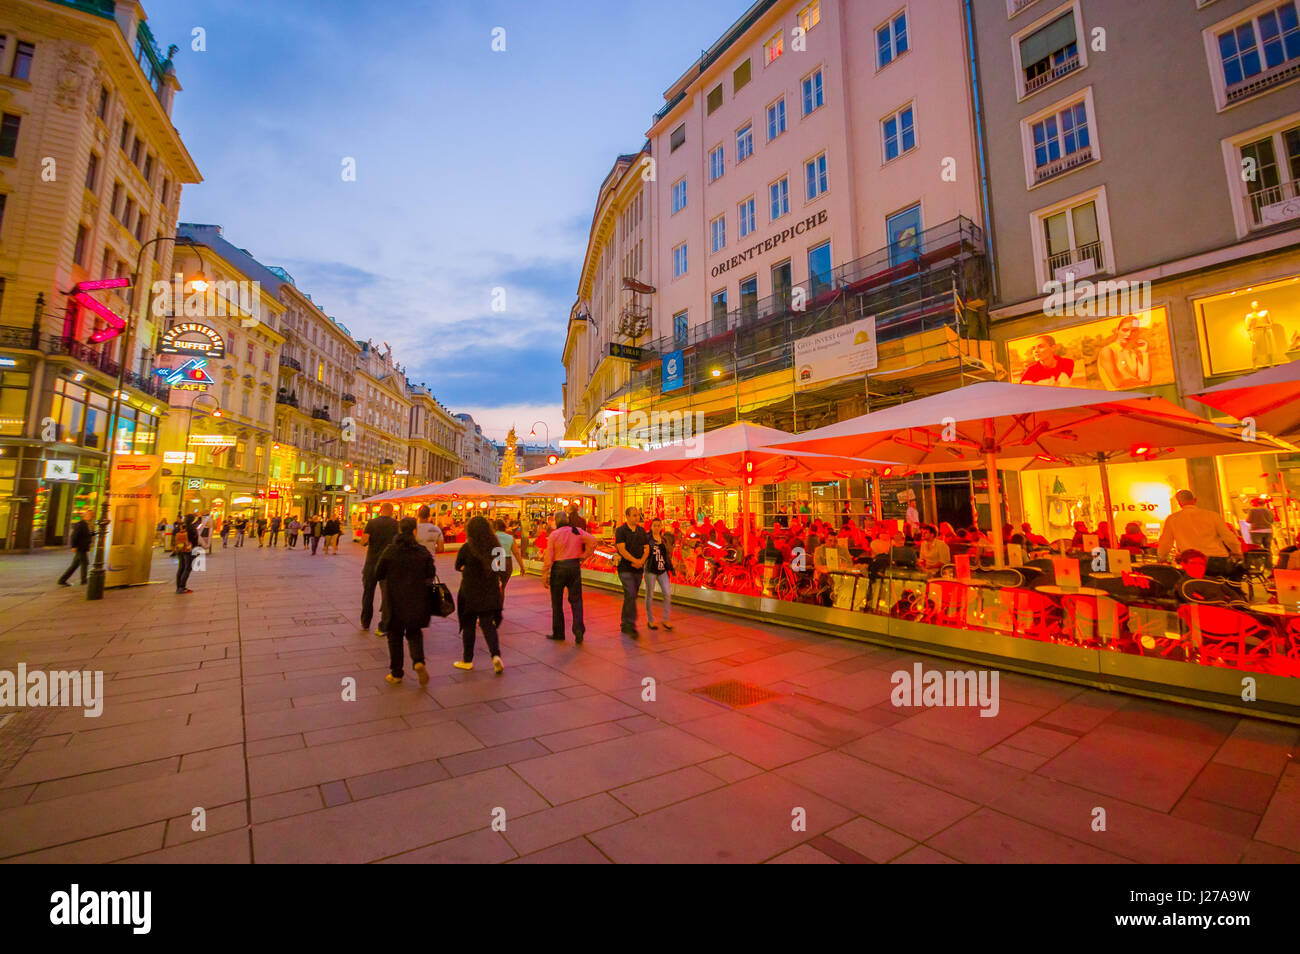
(102, 283)
(79, 296)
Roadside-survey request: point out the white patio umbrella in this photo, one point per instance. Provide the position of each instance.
(1271, 398)
(979, 422)
(558, 488)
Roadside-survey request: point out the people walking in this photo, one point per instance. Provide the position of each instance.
(80, 539)
(566, 548)
(224, 532)
(294, 527)
(375, 537)
(479, 600)
(427, 532)
(316, 528)
(405, 569)
(261, 529)
(658, 567)
(160, 532)
(332, 533)
(241, 527)
(506, 559)
(183, 544)
(275, 530)
(630, 540)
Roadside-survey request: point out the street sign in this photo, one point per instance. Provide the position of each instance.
(56, 469)
(624, 351)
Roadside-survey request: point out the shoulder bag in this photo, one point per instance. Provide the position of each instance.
(441, 602)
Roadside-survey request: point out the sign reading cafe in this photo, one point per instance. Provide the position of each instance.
(190, 337)
(807, 225)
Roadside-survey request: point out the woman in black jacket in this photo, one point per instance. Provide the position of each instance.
(480, 592)
(658, 569)
(407, 569)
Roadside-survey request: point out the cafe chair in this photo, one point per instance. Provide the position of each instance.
(1087, 621)
(1034, 615)
(945, 603)
(1227, 637)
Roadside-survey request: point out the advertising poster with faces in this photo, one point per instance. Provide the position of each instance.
(1113, 354)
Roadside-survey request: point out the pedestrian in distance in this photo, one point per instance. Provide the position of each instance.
(658, 567)
(405, 569)
(332, 533)
(224, 532)
(479, 600)
(427, 531)
(183, 544)
(377, 534)
(566, 547)
(275, 530)
(160, 532)
(317, 529)
(261, 529)
(241, 527)
(79, 539)
(506, 559)
(631, 542)
(294, 527)
(205, 532)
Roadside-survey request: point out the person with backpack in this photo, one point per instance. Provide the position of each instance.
(479, 600)
(406, 569)
(79, 539)
(183, 544)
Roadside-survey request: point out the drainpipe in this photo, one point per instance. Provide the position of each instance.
(978, 111)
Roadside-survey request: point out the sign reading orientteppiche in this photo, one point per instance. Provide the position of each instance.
(673, 370)
(842, 352)
(190, 337)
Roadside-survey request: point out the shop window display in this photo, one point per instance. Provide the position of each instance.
(1250, 328)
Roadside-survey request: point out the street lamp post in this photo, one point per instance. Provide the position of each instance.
(185, 454)
(95, 583)
(547, 427)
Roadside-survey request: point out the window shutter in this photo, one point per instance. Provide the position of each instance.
(678, 137)
(740, 76)
(1056, 35)
(715, 99)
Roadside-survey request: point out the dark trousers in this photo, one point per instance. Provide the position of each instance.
(80, 558)
(414, 638)
(315, 542)
(225, 535)
(293, 539)
(566, 574)
(275, 538)
(368, 583)
(487, 621)
(631, 580)
(239, 538)
(184, 564)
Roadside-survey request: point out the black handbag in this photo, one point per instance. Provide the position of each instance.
(441, 602)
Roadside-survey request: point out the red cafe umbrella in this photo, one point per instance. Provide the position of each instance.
(977, 423)
(1271, 398)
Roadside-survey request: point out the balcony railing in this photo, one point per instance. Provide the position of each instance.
(321, 414)
(289, 399)
(288, 362)
(1063, 165)
(349, 398)
(1275, 204)
(1077, 262)
(92, 356)
(1282, 73)
(1051, 75)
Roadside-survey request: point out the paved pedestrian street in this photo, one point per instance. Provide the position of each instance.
(227, 707)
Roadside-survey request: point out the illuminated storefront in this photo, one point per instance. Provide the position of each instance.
(1249, 328)
(1141, 492)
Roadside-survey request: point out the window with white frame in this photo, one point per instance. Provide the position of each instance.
(1060, 139)
(813, 92)
(718, 233)
(891, 39)
(810, 15)
(744, 142)
(745, 213)
(716, 163)
(815, 177)
(681, 327)
(776, 119)
(898, 132)
(779, 196)
(773, 48)
(678, 196)
(1264, 169)
(679, 261)
(1071, 238)
(1255, 54)
(1048, 50)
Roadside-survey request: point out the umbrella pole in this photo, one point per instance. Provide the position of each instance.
(995, 496)
(744, 515)
(1105, 498)
(875, 496)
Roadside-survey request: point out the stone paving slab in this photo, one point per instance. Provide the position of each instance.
(232, 699)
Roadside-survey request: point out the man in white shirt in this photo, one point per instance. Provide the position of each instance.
(934, 552)
(427, 532)
(1192, 528)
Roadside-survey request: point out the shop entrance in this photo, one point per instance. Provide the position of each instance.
(952, 502)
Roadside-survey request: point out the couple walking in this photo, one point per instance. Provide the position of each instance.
(643, 553)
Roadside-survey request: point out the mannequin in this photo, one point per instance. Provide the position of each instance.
(1259, 326)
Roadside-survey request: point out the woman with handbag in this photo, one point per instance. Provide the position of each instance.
(479, 600)
(407, 569)
(658, 569)
(184, 541)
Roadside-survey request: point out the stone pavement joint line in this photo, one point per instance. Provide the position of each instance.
(231, 700)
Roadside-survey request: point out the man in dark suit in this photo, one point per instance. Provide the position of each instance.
(79, 540)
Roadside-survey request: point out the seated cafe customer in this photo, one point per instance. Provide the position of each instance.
(934, 552)
(1133, 538)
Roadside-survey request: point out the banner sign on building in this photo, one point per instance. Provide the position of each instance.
(192, 338)
(843, 352)
(1114, 354)
(674, 365)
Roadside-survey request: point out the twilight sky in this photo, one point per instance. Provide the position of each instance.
(474, 169)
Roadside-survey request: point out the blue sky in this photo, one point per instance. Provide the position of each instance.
(474, 169)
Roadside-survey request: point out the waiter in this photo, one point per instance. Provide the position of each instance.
(1191, 528)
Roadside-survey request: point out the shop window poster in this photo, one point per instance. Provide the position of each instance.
(1112, 354)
